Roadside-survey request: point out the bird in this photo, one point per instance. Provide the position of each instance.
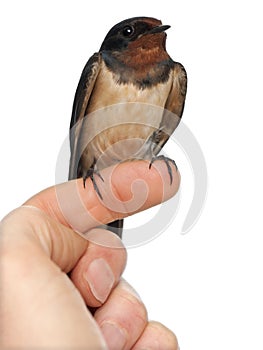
(129, 100)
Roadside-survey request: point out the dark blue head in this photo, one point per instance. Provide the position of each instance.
(127, 31)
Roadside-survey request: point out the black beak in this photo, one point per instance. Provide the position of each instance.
(158, 29)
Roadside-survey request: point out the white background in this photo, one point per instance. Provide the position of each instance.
(207, 285)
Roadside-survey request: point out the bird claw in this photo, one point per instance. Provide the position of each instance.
(167, 162)
(90, 174)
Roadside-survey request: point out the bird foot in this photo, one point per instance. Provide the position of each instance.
(167, 161)
(90, 174)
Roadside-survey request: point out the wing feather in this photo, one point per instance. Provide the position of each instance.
(174, 106)
(80, 104)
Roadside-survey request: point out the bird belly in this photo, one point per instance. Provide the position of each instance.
(121, 119)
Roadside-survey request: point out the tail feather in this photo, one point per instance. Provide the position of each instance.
(116, 227)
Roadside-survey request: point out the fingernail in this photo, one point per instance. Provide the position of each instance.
(100, 279)
(114, 336)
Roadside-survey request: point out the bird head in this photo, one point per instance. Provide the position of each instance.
(135, 34)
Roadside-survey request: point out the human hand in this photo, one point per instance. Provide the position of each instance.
(51, 277)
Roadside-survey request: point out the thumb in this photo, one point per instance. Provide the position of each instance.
(28, 232)
(41, 306)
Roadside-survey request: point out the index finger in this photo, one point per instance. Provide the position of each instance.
(127, 188)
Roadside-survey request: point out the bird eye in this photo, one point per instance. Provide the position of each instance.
(128, 31)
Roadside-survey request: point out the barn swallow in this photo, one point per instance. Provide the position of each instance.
(132, 70)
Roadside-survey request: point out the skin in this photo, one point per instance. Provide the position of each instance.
(51, 277)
